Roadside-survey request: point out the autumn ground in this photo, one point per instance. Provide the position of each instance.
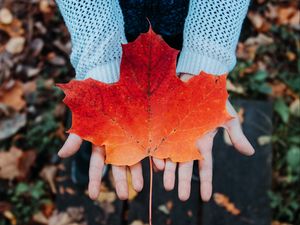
(34, 49)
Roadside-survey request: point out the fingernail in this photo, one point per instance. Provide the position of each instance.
(252, 150)
(139, 185)
(161, 165)
(169, 184)
(184, 191)
(60, 153)
(206, 191)
(183, 196)
(93, 193)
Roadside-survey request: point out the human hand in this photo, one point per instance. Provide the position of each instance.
(97, 162)
(185, 170)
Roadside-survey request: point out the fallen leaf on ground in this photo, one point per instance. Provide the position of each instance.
(26, 162)
(11, 124)
(107, 196)
(169, 205)
(288, 15)
(15, 45)
(40, 218)
(9, 163)
(36, 46)
(11, 217)
(264, 140)
(259, 22)
(291, 56)
(256, 19)
(248, 49)
(190, 213)
(223, 201)
(48, 173)
(280, 223)
(72, 216)
(48, 209)
(70, 191)
(15, 163)
(29, 87)
(14, 29)
(56, 59)
(234, 87)
(163, 208)
(295, 107)
(45, 6)
(241, 112)
(278, 89)
(5, 16)
(137, 222)
(31, 72)
(13, 96)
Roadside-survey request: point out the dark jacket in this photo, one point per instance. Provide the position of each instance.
(166, 17)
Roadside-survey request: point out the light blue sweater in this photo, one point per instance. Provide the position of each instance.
(211, 33)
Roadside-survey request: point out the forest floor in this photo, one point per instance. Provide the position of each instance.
(34, 55)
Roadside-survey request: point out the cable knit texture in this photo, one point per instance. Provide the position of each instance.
(211, 32)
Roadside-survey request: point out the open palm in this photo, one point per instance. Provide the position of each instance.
(72, 145)
(185, 170)
(205, 144)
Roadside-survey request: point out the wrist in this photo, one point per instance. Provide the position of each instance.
(107, 73)
(194, 62)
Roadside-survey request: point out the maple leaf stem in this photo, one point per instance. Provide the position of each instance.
(151, 190)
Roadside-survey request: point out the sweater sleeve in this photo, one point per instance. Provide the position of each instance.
(211, 33)
(97, 31)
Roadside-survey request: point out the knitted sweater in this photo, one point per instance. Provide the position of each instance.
(211, 32)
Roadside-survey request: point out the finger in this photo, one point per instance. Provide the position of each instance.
(71, 146)
(169, 175)
(95, 171)
(159, 163)
(154, 168)
(120, 177)
(137, 177)
(185, 171)
(205, 145)
(237, 137)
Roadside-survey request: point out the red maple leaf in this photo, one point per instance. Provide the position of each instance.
(149, 111)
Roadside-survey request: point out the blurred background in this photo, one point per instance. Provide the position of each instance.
(34, 50)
